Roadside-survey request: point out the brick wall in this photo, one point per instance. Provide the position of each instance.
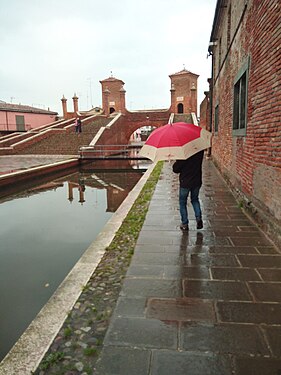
(252, 162)
(205, 112)
(184, 86)
(115, 97)
(63, 141)
(120, 132)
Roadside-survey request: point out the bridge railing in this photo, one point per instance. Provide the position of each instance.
(110, 151)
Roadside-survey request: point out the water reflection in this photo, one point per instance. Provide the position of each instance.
(44, 231)
(199, 239)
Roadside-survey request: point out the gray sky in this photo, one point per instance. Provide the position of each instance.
(55, 47)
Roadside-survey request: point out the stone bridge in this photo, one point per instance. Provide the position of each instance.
(120, 130)
(113, 125)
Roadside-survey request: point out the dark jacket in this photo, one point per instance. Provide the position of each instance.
(190, 170)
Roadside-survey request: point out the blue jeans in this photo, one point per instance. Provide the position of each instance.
(194, 196)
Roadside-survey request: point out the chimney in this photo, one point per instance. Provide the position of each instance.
(122, 100)
(64, 107)
(75, 103)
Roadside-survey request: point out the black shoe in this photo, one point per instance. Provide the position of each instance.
(184, 227)
(199, 224)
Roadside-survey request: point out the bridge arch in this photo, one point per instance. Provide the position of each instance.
(121, 130)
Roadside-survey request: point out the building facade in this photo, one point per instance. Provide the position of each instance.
(184, 92)
(113, 95)
(16, 117)
(245, 100)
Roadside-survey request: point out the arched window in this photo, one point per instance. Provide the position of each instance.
(111, 110)
(180, 108)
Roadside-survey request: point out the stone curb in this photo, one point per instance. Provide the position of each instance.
(27, 353)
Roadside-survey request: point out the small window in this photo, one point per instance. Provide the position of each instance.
(240, 102)
(180, 108)
(216, 118)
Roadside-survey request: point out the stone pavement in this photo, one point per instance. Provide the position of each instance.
(12, 163)
(204, 302)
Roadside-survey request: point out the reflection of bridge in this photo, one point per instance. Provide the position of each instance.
(117, 185)
(111, 152)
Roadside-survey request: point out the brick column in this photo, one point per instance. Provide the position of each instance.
(105, 104)
(193, 98)
(70, 191)
(64, 107)
(75, 103)
(173, 101)
(122, 100)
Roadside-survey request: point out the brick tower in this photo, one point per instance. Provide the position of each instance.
(184, 92)
(113, 95)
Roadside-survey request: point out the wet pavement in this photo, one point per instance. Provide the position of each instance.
(203, 302)
(13, 163)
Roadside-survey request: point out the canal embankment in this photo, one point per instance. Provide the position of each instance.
(30, 348)
(14, 178)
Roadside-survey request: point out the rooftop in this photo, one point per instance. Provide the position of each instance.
(23, 108)
(182, 72)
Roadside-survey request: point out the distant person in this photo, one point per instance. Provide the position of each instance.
(190, 179)
(81, 184)
(78, 125)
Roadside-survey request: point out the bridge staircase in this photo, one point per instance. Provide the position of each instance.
(58, 138)
(15, 137)
(183, 117)
(101, 136)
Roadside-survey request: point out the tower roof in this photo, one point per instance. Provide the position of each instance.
(183, 72)
(112, 79)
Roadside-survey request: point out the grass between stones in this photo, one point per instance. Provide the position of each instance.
(77, 346)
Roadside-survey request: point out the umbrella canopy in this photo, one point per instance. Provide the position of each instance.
(175, 141)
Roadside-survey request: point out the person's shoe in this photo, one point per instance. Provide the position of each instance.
(199, 224)
(184, 226)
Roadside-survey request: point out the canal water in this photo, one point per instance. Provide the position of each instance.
(44, 231)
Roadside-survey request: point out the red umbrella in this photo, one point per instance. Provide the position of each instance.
(175, 141)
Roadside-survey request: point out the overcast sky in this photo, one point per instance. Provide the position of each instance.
(61, 47)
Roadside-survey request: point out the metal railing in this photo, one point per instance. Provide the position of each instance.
(111, 152)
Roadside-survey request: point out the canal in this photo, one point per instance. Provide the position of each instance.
(44, 231)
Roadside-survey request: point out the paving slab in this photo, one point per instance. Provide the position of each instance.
(257, 366)
(202, 302)
(124, 360)
(142, 333)
(12, 163)
(185, 363)
(235, 339)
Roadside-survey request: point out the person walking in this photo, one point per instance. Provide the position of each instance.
(190, 180)
(78, 127)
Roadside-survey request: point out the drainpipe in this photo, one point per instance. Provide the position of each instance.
(211, 81)
(7, 121)
(211, 94)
